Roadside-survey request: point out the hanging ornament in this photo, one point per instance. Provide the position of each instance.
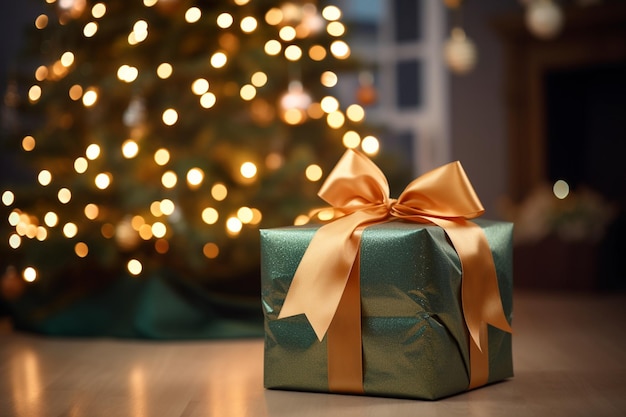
(11, 285)
(126, 236)
(294, 104)
(366, 93)
(135, 113)
(70, 9)
(544, 18)
(460, 52)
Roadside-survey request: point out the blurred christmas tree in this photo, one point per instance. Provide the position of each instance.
(162, 134)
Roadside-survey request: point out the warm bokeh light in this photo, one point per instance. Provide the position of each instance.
(51, 219)
(233, 225)
(274, 16)
(127, 73)
(370, 145)
(195, 176)
(28, 143)
(293, 53)
(103, 180)
(355, 113)
(210, 215)
(200, 86)
(351, 139)
(273, 47)
(98, 10)
(317, 52)
(287, 33)
(335, 119)
(211, 250)
(67, 59)
(169, 179)
(245, 214)
(164, 70)
(64, 195)
(340, 49)
(15, 241)
(90, 29)
(329, 79)
(219, 191)
(258, 79)
(80, 165)
(159, 229)
(91, 211)
(70, 230)
(218, 60)
(193, 14)
(41, 73)
(134, 267)
(248, 170)
(93, 151)
(34, 94)
(75, 92)
(248, 24)
(331, 13)
(167, 206)
(8, 198)
(313, 172)
(225, 20)
(336, 29)
(208, 100)
(44, 177)
(161, 156)
(247, 92)
(29, 274)
(329, 104)
(90, 97)
(301, 220)
(130, 149)
(170, 117)
(81, 249)
(41, 21)
(560, 189)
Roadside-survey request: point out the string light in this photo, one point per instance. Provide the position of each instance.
(192, 15)
(293, 22)
(248, 24)
(29, 274)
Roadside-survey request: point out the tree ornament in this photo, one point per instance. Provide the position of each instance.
(544, 18)
(294, 104)
(366, 93)
(460, 52)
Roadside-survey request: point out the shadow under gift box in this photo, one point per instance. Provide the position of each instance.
(414, 339)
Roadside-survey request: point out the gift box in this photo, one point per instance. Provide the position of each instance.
(386, 300)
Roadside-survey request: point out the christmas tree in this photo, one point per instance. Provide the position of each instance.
(162, 134)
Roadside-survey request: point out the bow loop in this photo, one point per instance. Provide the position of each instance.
(443, 192)
(354, 183)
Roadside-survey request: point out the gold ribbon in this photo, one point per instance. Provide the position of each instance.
(358, 190)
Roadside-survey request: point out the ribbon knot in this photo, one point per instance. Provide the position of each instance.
(359, 190)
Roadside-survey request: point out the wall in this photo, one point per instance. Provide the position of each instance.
(477, 112)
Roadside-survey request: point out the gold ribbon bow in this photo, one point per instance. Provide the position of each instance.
(358, 189)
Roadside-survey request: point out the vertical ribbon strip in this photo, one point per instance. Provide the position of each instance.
(358, 190)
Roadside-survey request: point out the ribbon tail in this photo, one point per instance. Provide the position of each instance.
(480, 293)
(323, 272)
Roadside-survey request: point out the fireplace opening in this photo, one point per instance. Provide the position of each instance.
(586, 128)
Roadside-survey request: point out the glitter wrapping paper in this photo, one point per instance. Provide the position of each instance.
(415, 344)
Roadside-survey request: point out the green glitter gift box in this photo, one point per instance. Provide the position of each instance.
(415, 343)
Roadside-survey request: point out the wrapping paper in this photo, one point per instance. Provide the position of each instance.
(414, 340)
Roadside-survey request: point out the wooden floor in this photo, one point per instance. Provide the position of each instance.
(569, 353)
